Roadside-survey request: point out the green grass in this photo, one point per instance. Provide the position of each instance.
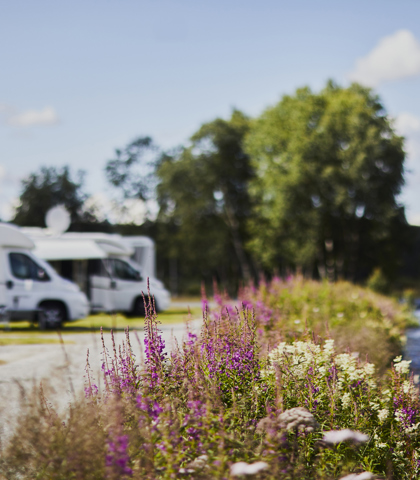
(107, 322)
(31, 340)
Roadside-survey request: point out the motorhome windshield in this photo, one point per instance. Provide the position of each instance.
(122, 270)
(24, 268)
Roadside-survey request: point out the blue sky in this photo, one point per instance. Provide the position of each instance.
(82, 78)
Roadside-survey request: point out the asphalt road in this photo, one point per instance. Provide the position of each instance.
(62, 366)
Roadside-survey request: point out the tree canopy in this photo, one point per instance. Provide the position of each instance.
(329, 167)
(47, 188)
(132, 172)
(203, 192)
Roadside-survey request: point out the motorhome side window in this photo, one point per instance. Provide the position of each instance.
(97, 267)
(24, 268)
(123, 270)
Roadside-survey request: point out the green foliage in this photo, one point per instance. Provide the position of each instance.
(215, 402)
(133, 171)
(204, 199)
(356, 318)
(329, 167)
(47, 188)
(378, 282)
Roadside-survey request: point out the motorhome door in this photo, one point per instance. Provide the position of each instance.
(99, 286)
(127, 284)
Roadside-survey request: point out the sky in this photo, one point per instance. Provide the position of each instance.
(82, 78)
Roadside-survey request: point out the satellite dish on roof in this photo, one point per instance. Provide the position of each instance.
(58, 219)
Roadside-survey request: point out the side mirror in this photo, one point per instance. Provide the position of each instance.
(113, 284)
(9, 284)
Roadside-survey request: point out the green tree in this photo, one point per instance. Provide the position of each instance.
(203, 193)
(47, 188)
(329, 167)
(132, 172)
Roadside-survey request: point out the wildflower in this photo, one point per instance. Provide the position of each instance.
(360, 476)
(402, 366)
(346, 435)
(383, 414)
(243, 468)
(346, 399)
(197, 464)
(117, 459)
(369, 368)
(298, 417)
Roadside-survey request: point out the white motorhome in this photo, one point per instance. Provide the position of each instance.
(103, 267)
(31, 288)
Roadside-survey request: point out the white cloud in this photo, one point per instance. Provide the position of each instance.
(395, 57)
(46, 116)
(408, 125)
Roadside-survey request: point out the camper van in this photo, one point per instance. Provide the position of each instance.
(31, 289)
(104, 266)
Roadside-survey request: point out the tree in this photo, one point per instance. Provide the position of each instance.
(329, 167)
(133, 171)
(203, 192)
(47, 188)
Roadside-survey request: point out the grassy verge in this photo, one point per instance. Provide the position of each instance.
(28, 340)
(358, 319)
(107, 322)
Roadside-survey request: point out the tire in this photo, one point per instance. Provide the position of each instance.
(51, 315)
(138, 308)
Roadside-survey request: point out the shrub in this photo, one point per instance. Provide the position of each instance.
(220, 406)
(357, 318)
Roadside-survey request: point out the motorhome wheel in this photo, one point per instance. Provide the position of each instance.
(51, 315)
(138, 308)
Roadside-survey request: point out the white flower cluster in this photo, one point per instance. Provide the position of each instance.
(243, 468)
(338, 436)
(297, 418)
(352, 371)
(360, 476)
(402, 366)
(383, 414)
(301, 356)
(346, 399)
(198, 463)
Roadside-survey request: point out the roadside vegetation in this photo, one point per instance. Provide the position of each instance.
(359, 320)
(253, 393)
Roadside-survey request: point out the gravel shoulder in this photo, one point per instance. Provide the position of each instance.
(62, 366)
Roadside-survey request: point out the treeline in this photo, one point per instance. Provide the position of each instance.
(311, 185)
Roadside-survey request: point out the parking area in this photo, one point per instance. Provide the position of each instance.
(28, 356)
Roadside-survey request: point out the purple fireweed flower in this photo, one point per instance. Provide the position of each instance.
(153, 342)
(147, 405)
(229, 352)
(117, 459)
(91, 391)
